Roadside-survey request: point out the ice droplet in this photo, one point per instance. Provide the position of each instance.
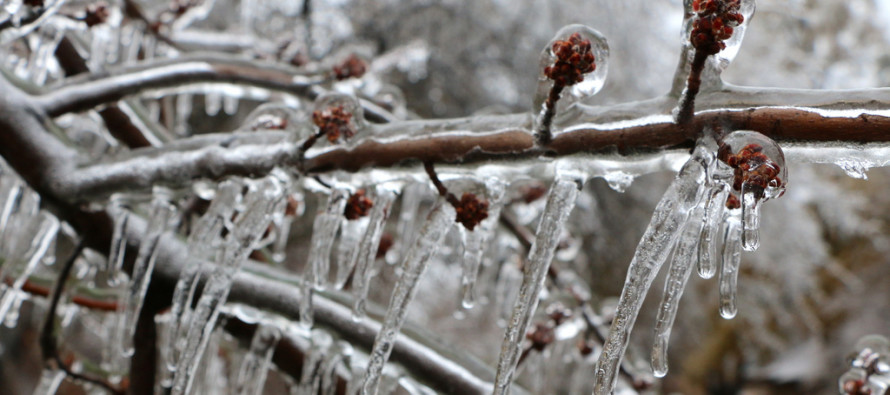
(560, 203)
(729, 268)
(681, 267)
(666, 225)
(416, 260)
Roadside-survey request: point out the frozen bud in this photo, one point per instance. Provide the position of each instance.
(574, 60)
(351, 67)
(759, 174)
(358, 205)
(337, 116)
(716, 27)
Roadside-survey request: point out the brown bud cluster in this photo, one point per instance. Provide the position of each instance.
(97, 13)
(573, 59)
(470, 210)
(358, 205)
(334, 122)
(352, 67)
(753, 169)
(714, 23)
(541, 336)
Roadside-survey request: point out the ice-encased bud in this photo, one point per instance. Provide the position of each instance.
(276, 117)
(338, 116)
(759, 174)
(717, 27)
(575, 61)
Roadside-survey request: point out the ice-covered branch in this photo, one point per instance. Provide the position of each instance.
(82, 93)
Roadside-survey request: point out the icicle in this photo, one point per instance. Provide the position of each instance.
(50, 380)
(230, 104)
(263, 198)
(412, 197)
(729, 269)
(750, 220)
(351, 233)
(162, 211)
(313, 364)
(212, 103)
(255, 365)
(712, 221)
(205, 237)
(324, 232)
(40, 234)
(121, 217)
(183, 112)
(476, 241)
(667, 222)
(681, 267)
(364, 265)
(338, 355)
(560, 203)
(415, 263)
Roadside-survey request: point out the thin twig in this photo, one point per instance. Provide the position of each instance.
(693, 84)
(47, 338)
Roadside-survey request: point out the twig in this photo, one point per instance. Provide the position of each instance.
(693, 84)
(47, 338)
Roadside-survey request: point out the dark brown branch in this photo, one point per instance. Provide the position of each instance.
(116, 121)
(693, 84)
(48, 344)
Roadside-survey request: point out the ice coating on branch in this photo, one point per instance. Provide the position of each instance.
(256, 364)
(729, 267)
(476, 241)
(759, 173)
(685, 257)
(665, 227)
(363, 267)
(324, 232)
(560, 203)
(264, 197)
(205, 238)
(415, 262)
(162, 210)
(717, 27)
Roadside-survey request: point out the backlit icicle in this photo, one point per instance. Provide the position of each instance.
(667, 222)
(712, 221)
(351, 233)
(729, 268)
(414, 264)
(49, 383)
(40, 233)
(161, 211)
(412, 197)
(263, 198)
(256, 363)
(19, 212)
(560, 203)
(313, 364)
(750, 220)
(364, 266)
(118, 247)
(476, 241)
(324, 232)
(681, 267)
(204, 239)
